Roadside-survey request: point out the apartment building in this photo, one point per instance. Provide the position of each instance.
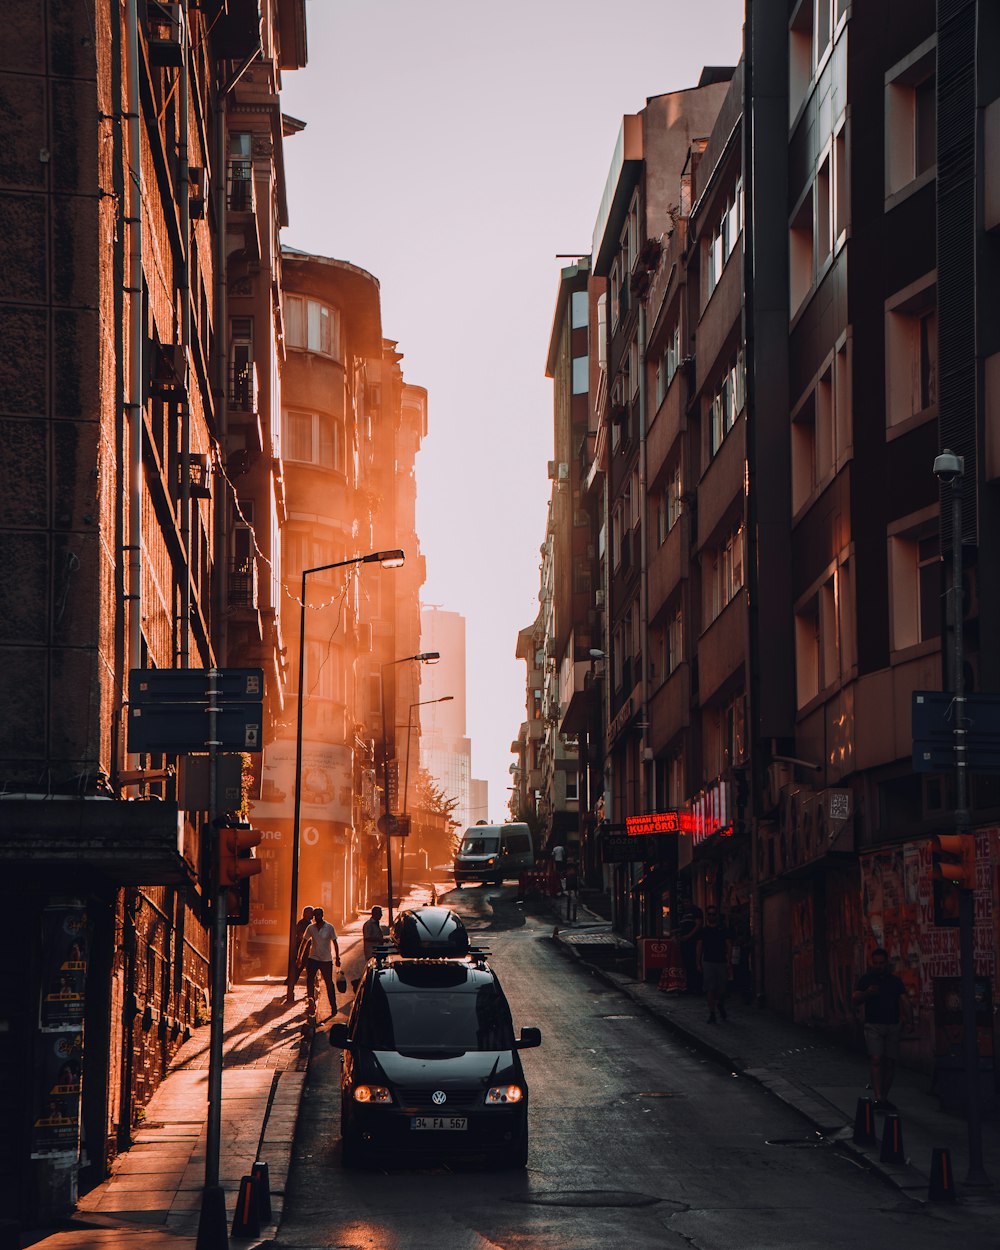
(125, 221)
(439, 729)
(640, 207)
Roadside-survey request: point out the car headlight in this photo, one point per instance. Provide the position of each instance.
(372, 1093)
(503, 1094)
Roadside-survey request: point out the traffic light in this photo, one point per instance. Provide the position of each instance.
(953, 869)
(237, 864)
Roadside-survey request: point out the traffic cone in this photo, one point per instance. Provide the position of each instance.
(864, 1123)
(246, 1221)
(262, 1183)
(942, 1186)
(892, 1141)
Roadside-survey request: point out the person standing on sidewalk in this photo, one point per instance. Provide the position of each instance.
(559, 864)
(715, 949)
(371, 933)
(572, 880)
(884, 998)
(322, 939)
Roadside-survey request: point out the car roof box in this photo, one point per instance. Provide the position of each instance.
(430, 932)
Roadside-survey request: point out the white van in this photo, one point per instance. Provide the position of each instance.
(489, 853)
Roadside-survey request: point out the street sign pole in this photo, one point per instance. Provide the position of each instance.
(210, 1235)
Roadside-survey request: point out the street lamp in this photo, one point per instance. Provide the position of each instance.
(447, 698)
(388, 560)
(422, 657)
(949, 469)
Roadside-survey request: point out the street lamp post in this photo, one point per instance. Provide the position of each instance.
(389, 560)
(950, 470)
(422, 657)
(447, 698)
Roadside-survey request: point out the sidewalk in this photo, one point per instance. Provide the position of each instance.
(807, 1070)
(152, 1200)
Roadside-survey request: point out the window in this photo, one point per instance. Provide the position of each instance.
(915, 587)
(579, 310)
(727, 403)
(572, 788)
(821, 430)
(315, 438)
(659, 502)
(666, 366)
(821, 622)
(841, 185)
(911, 355)
(726, 572)
(724, 237)
(809, 35)
(675, 638)
(800, 253)
(732, 733)
(824, 215)
(581, 375)
(313, 326)
(910, 122)
(614, 285)
(675, 492)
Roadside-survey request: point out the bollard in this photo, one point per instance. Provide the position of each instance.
(864, 1123)
(262, 1182)
(246, 1221)
(892, 1141)
(212, 1233)
(942, 1186)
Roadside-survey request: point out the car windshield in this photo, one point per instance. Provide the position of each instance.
(436, 1020)
(480, 846)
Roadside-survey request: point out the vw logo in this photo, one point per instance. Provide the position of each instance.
(438, 1097)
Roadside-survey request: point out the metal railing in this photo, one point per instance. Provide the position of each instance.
(243, 585)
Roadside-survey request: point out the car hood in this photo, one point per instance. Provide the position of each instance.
(455, 1068)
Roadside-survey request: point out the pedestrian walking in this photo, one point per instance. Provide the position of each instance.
(559, 864)
(885, 1000)
(371, 933)
(688, 933)
(303, 923)
(572, 880)
(715, 950)
(321, 937)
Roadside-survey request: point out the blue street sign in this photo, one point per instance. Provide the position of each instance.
(934, 716)
(935, 755)
(191, 685)
(178, 728)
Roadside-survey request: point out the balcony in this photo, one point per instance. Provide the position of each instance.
(668, 565)
(241, 203)
(243, 584)
(92, 840)
(244, 405)
(670, 708)
(722, 647)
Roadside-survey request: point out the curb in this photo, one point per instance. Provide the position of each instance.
(905, 1178)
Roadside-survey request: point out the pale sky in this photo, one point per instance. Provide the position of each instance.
(452, 149)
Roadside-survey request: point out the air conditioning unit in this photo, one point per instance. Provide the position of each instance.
(167, 370)
(200, 475)
(618, 393)
(164, 34)
(599, 597)
(196, 192)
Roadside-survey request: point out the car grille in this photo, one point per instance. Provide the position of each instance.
(421, 1099)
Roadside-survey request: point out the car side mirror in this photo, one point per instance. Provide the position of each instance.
(339, 1035)
(529, 1038)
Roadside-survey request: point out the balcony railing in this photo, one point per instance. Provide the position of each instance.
(243, 586)
(241, 195)
(243, 387)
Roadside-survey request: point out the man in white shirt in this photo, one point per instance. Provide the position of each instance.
(320, 939)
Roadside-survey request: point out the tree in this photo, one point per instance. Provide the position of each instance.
(433, 818)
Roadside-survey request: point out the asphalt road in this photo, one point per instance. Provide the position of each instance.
(634, 1138)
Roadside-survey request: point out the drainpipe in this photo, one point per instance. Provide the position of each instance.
(133, 401)
(644, 769)
(217, 640)
(184, 182)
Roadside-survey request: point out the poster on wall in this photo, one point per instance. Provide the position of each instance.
(64, 966)
(897, 901)
(55, 1128)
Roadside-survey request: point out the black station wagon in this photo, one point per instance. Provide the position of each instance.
(431, 1067)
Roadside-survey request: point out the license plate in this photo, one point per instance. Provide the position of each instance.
(437, 1123)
